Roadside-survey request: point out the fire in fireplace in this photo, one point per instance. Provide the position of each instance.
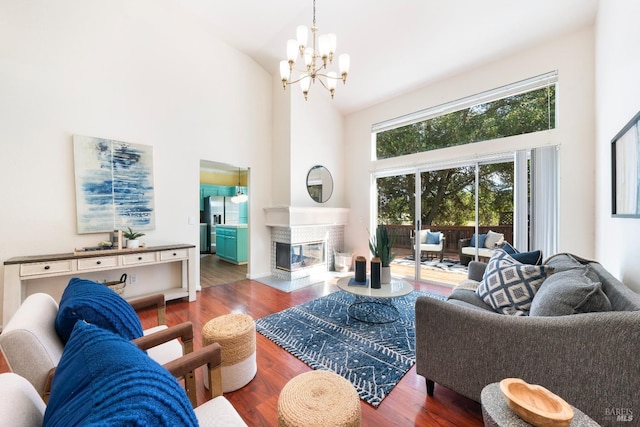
(293, 257)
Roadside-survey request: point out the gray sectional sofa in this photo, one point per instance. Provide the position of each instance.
(590, 359)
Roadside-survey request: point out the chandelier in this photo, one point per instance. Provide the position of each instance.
(315, 58)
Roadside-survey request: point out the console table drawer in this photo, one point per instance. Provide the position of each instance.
(93, 263)
(45, 268)
(141, 258)
(175, 254)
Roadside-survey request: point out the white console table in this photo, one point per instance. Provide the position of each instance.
(18, 270)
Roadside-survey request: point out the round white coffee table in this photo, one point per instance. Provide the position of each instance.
(375, 305)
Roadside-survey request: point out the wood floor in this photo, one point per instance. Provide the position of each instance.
(214, 271)
(406, 405)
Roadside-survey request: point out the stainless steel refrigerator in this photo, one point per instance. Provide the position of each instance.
(218, 210)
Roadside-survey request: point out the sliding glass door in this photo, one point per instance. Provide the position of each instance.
(396, 209)
(495, 204)
(452, 205)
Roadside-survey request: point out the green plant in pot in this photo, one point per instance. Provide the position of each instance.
(381, 245)
(132, 238)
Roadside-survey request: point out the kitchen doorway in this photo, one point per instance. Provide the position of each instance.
(224, 198)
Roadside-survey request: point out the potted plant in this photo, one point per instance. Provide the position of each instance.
(132, 238)
(381, 244)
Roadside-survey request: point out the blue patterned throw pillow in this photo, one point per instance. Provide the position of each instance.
(509, 286)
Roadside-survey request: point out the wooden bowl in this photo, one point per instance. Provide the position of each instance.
(535, 404)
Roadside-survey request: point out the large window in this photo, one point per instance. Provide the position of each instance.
(475, 119)
(485, 192)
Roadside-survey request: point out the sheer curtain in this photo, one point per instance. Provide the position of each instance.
(521, 201)
(544, 200)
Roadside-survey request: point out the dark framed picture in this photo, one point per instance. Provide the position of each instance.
(625, 171)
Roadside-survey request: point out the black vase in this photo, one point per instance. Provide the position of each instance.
(375, 273)
(361, 269)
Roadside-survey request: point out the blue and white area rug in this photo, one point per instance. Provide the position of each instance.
(373, 357)
(450, 265)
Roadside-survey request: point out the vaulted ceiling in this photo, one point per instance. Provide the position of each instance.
(395, 45)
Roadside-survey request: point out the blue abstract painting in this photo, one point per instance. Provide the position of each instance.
(114, 185)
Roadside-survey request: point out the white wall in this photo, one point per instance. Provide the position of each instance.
(573, 57)
(306, 133)
(281, 154)
(617, 101)
(316, 139)
(132, 71)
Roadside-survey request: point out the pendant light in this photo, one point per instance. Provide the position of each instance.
(240, 197)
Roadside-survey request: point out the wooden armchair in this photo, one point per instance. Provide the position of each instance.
(164, 347)
(23, 406)
(32, 348)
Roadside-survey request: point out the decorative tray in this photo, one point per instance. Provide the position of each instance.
(535, 404)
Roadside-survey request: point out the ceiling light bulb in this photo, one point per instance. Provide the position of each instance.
(323, 46)
(332, 43)
(344, 63)
(292, 50)
(285, 71)
(308, 57)
(305, 84)
(332, 80)
(302, 34)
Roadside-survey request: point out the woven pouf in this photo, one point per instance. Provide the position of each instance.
(236, 334)
(319, 399)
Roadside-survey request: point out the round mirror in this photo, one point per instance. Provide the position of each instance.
(319, 183)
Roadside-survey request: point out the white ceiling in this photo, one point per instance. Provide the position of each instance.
(395, 45)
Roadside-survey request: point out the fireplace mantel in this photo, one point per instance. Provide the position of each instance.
(291, 216)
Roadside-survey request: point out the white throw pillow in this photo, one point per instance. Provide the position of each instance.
(493, 240)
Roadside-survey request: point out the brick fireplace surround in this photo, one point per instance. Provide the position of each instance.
(303, 225)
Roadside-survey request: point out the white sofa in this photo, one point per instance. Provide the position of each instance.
(437, 248)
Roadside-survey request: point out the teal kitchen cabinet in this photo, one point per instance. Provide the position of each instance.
(231, 243)
(207, 190)
(226, 191)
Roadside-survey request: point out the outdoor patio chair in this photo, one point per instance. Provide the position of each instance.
(430, 242)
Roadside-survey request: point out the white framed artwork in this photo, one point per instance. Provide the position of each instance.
(114, 185)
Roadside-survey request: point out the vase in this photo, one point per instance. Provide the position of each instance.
(375, 273)
(361, 269)
(133, 243)
(385, 275)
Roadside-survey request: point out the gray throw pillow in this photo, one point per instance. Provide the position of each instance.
(572, 291)
(562, 262)
(468, 295)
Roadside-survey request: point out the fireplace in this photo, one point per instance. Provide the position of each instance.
(293, 257)
(303, 240)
